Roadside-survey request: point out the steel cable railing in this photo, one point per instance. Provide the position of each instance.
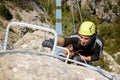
(22, 24)
(103, 72)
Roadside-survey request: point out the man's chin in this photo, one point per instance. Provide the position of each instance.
(83, 44)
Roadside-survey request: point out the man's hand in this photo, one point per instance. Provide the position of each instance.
(77, 57)
(70, 48)
(48, 43)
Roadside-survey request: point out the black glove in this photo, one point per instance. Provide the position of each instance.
(77, 57)
(48, 43)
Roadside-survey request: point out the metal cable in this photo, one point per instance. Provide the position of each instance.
(103, 72)
(48, 8)
(72, 13)
(83, 59)
(79, 11)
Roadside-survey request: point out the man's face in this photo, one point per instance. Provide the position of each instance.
(85, 40)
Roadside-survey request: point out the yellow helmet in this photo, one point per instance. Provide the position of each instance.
(87, 28)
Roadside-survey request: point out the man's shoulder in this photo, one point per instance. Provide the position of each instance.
(98, 43)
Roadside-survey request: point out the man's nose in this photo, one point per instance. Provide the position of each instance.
(82, 40)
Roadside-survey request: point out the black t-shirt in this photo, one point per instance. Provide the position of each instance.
(94, 49)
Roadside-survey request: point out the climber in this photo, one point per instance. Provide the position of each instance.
(86, 43)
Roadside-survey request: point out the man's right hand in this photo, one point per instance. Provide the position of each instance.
(77, 57)
(48, 43)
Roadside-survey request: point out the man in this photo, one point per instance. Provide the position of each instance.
(86, 44)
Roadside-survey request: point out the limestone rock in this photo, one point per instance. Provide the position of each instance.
(36, 67)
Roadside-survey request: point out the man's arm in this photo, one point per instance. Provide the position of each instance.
(97, 53)
(67, 41)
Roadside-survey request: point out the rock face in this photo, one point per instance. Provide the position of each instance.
(19, 66)
(107, 10)
(32, 41)
(112, 63)
(35, 67)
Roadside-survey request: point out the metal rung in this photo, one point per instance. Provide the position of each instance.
(22, 24)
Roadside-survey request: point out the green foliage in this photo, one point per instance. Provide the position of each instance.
(85, 13)
(49, 8)
(94, 19)
(29, 7)
(117, 21)
(51, 11)
(106, 8)
(65, 8)
(23, 4)
(118, 1)
(66, 20)
(4, 12)
(118, 59)
(103, 63)
(108, 4)
(115, 9)
(70, 19)
(1, 24)
(110, 34)
(18, 17)
(42, 17)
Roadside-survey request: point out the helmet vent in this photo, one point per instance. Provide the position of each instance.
(90, 28)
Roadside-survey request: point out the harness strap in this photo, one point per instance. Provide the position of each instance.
(98, 41)
(74, 35)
